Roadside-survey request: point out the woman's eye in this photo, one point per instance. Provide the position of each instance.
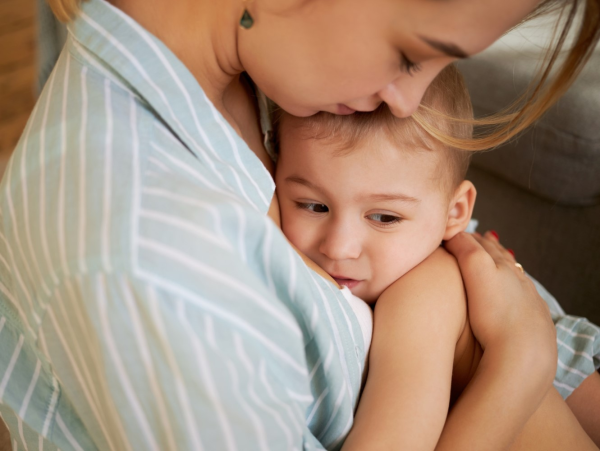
(384, 219)
(314, 207)
(408, 66)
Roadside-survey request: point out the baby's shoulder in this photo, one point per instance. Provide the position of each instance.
(438, 270)
(433, 285)
(440, 260)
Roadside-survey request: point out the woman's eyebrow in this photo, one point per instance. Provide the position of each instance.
(446, 47)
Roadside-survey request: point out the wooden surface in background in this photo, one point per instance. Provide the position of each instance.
(17, 83)
(17, 71)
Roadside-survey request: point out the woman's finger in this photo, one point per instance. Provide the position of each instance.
(502, 259)
(492, 247)
(463, 246)
(494, 238)
(472, 258)
(476, 253)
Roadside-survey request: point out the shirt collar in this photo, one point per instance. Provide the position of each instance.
(159, 78)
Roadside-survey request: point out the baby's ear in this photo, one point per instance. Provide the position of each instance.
(460, 209)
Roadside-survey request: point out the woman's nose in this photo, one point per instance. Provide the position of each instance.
(403, 95)
(401, 99)
(340, 243)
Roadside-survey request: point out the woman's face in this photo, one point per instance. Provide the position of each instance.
(346, 55)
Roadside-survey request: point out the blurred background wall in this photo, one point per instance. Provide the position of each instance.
(18, 85)
(17, 71)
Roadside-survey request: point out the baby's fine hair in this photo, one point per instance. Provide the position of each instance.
(447, 97)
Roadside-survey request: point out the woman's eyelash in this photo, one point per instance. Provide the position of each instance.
(408, 66)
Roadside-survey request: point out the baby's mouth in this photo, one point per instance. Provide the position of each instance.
(350, 283)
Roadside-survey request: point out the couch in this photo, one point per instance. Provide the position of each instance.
(541, 191)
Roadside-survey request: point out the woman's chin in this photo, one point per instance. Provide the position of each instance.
(344, 110)
(298, 111)
(303, 111)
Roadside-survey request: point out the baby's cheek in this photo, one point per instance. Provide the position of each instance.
(295, 230)
(393, 266)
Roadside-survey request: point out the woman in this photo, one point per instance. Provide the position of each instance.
(148, 301)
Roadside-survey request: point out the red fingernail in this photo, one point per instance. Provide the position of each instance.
(493, 232)
(511, 252)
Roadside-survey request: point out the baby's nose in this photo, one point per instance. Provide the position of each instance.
(341, 244)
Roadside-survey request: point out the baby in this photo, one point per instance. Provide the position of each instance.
(369, 198)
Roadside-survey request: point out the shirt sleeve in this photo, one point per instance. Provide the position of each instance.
(578, 343)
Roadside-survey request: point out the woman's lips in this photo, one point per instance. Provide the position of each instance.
(350, 283)
(344, 110)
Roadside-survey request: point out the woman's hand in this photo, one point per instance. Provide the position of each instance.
(504, 306)
(514, 327)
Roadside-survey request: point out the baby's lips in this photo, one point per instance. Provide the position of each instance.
(350, 283)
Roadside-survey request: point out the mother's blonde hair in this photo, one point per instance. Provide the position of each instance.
(551, 82)
(548, 86)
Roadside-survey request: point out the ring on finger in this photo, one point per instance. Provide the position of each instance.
(520, 266)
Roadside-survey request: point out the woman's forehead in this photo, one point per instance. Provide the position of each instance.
(459, 28)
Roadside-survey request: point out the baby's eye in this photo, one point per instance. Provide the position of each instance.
(384, 219)
(314, 207)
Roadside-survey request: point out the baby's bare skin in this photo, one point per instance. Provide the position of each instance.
(389, 407)
(276, 218)
(409, 387)
(466, 355)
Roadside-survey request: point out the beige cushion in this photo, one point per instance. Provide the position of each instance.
(559, 158)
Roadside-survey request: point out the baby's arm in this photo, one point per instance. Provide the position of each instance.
(419, 320)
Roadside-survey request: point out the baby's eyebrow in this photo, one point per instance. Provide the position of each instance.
(373, 197)
(301, 181)
(391, 196)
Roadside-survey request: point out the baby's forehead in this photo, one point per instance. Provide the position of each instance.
(375, 158)
(377, 146)
(345, 135)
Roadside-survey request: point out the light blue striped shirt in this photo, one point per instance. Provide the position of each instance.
(146, 301)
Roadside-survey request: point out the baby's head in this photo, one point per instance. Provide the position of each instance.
(369, 196)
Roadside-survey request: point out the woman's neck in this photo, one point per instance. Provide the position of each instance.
(203, 35)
